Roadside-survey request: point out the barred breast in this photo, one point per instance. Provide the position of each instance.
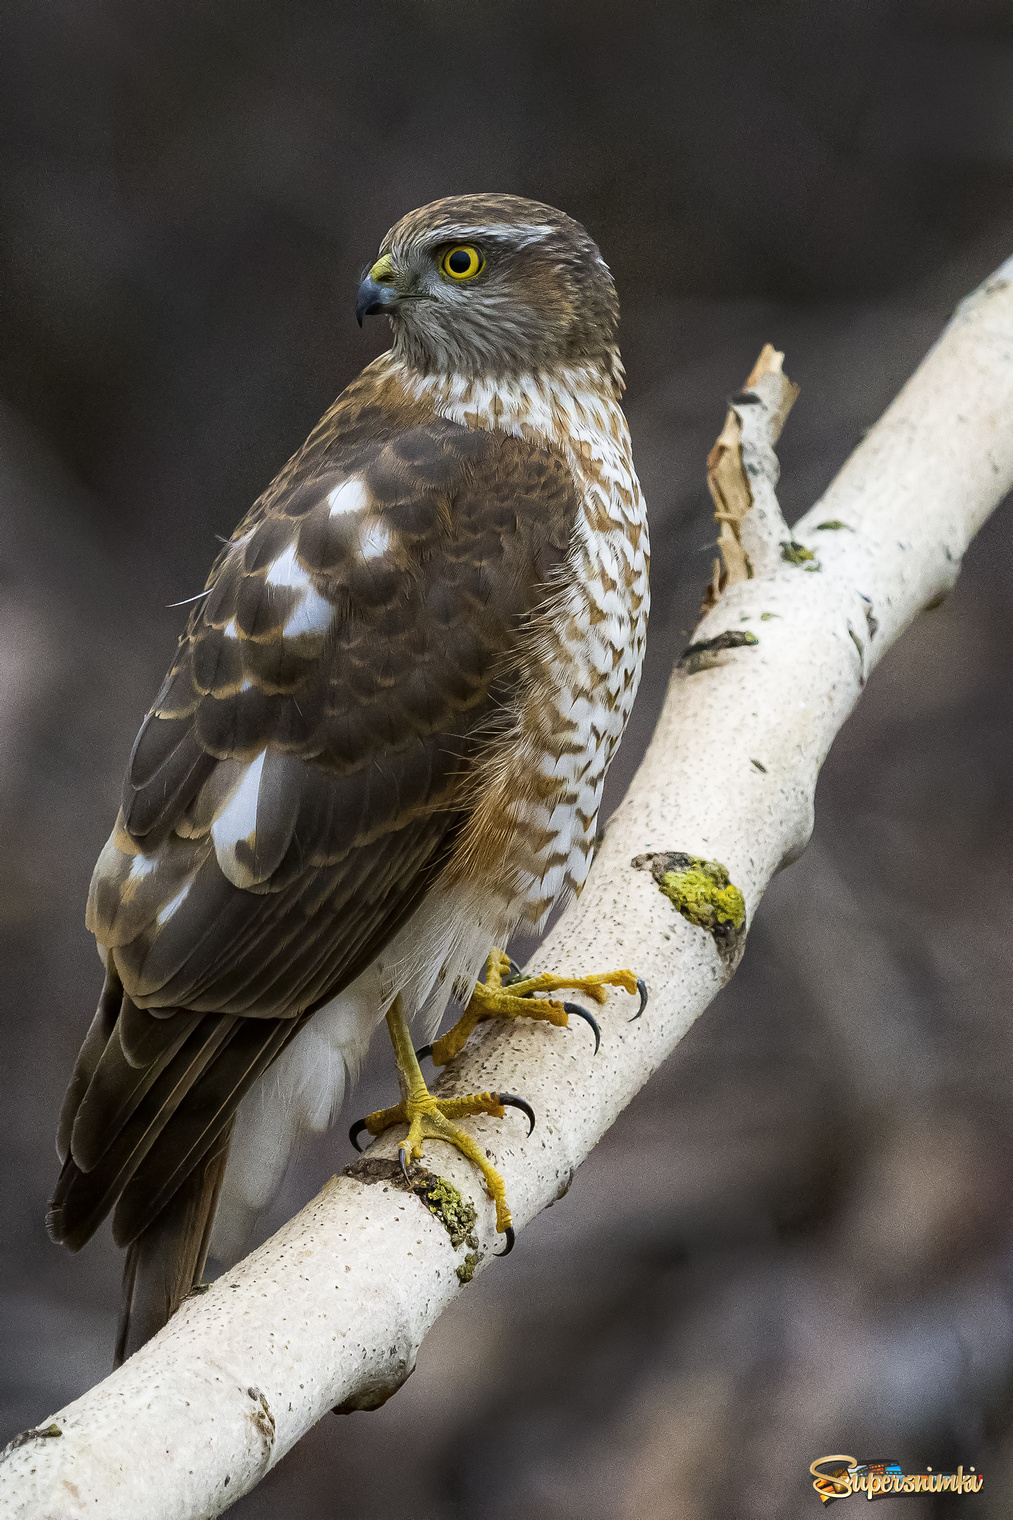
(532, 834)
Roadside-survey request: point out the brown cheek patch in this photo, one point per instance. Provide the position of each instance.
(540, 284)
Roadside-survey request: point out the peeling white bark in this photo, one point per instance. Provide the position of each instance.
(333, 1309)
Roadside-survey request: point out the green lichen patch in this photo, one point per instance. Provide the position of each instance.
(765, 617)
(797, 554)
(466, 1271)
(456, 1214)
(833, 526)
(703, 893)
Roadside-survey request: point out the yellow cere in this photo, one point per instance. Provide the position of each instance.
(382, 270)
(462, 262)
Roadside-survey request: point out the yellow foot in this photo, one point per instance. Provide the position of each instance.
(430, 1118)
(507, 993)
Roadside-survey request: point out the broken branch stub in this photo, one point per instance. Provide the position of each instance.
(742, 476)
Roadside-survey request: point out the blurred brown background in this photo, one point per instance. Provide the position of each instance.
(799, 1239)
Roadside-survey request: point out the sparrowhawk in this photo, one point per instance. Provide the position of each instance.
(379, 750)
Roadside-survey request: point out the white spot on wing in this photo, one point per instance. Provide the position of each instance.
(287, 571)
(374, 540)
(164, 914)
(142, 865)
(311, 618)
(349, 496)
(231, 630)
(238, 821)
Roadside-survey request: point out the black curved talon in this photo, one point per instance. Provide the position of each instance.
(510, 1100)
(423, 1051)
(402, 1153)
(510, 1238)
(588, 1018)
(642, 989)
(354, 1133)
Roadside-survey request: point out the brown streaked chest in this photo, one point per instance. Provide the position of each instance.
(533, 833)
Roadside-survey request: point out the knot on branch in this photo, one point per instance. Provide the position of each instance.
(695, 656)
(444, 1201)
(43, 1433)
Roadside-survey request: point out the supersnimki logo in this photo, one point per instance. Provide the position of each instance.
(842, 1477)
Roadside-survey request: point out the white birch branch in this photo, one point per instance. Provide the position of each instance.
(332, 1310)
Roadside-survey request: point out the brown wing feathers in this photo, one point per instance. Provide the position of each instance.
(295, 788)
(130, 1064)
(85, 1193)
(164, 1262)
(89, 1056)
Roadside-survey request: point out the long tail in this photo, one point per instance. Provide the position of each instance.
(166, 1261)
(145, 1130)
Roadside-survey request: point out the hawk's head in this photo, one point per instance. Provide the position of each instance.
(492, 285)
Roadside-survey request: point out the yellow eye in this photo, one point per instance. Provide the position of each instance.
(462, 262)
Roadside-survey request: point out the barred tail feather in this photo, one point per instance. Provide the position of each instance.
(166, 1261)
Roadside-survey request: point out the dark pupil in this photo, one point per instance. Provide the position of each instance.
(459, 261)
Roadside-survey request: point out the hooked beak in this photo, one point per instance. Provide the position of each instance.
(377, 292)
